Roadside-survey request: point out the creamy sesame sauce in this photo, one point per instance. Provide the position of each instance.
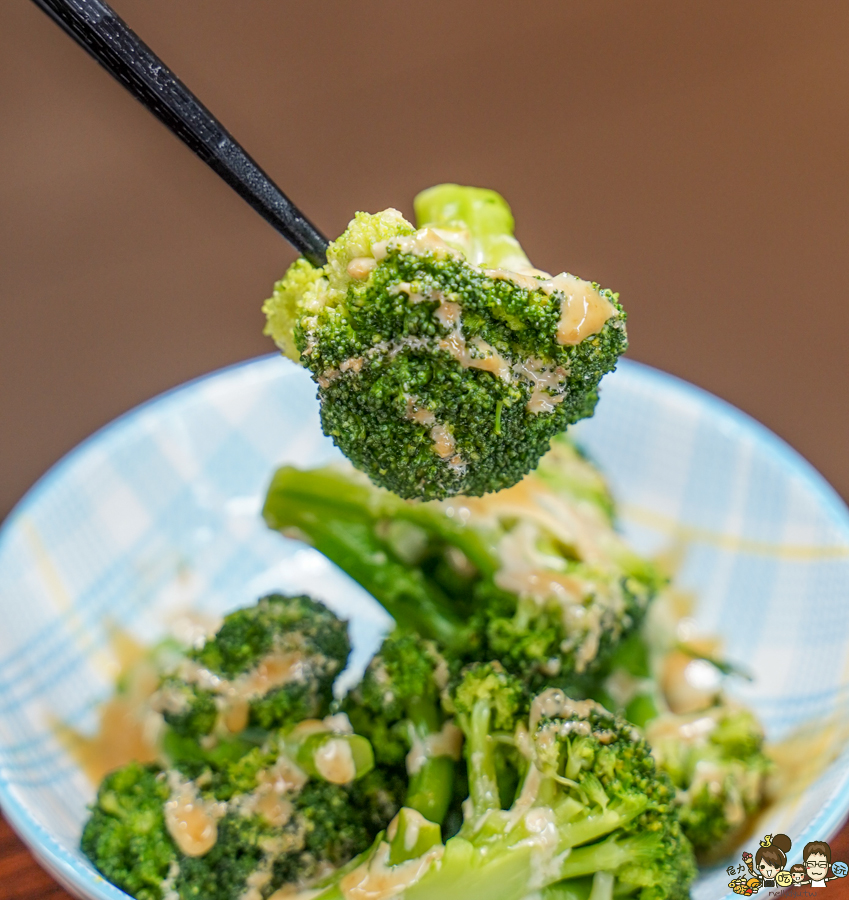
(553, 703)
(334, 761)
(446, 742)
(548, 384)
(443, 441)
(233, 696)
(360, 267)
(583, 310)
(190, 820)
(419, 414)
(377, 880)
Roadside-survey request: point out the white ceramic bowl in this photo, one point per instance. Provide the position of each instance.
(159, 513)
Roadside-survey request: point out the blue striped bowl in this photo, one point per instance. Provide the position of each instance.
(159, 513)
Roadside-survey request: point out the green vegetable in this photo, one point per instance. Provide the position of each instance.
(535, 576)
(397, 706)
(592, 816)
(713, 755)
(715, 758)
(125, 837)
(315, 824)
(445, 362)
(292, 644)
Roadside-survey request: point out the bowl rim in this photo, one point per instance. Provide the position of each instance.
(84, 881)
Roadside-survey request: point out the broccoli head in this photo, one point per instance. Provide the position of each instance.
(592, 815)
(445, 362)
(282, 813)
(535, 576)
(716, 761)
(269, 666)
(397, 706)
(125, 837)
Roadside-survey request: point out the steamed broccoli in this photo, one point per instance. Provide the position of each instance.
(282, 813)
(534, 576)
(591, 810)
(125, 836)
(712, 749)
(397, 706)
(270, 665)
(715, 758)
(445, 362)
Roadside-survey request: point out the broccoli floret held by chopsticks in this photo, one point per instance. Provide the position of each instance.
(445, 361)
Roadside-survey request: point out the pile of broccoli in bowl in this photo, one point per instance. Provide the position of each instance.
(518, 733)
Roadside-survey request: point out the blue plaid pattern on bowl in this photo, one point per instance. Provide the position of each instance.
(158, 514)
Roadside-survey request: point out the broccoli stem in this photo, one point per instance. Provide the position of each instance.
(337, 758)
(574, 889)
(591, 827)
(332, 514)
(430, 789)
(467, 872)
(463, 872)
(610, 854)
(480, 211)
(431, 786)
(480, 752)
(413, 837)
(340, 496)
(603, 883)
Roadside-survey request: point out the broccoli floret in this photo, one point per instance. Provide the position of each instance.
(242, 848)
(445, 362)
(190, 710)
(715, 758)
(328, 826)
(490, 705)
(535, 576)
(269, 666)
(712, 749)
(283, 813)
(592, 812)
(397, 706)
(125, 837)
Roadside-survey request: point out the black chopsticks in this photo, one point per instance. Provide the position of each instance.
(104, 35)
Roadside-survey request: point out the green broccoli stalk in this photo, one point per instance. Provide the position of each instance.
(445, 362)
(341, 516)
(269, 666)
(535, 576)
(490, 705)
(591, 811)
(397, 706)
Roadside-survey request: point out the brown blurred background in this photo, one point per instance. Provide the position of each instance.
(692, 156)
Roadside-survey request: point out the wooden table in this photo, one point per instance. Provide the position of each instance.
(21, 878)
